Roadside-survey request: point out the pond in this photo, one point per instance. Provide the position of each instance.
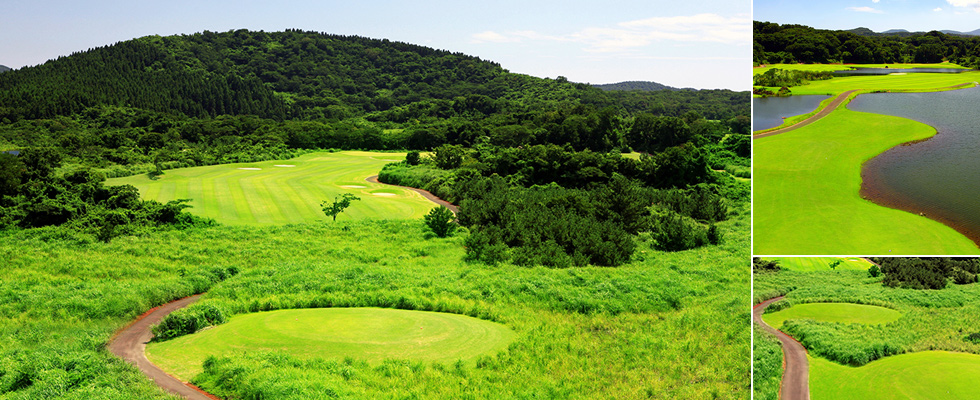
(937, 177)
(887, 71)
(768, 112)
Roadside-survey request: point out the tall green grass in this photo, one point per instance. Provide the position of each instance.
(767, 365)
(931, 319)
(664, 325)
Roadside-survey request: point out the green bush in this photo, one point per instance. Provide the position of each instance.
(441, 221)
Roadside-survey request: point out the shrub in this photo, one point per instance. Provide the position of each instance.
(441, 220)
(188, 321)
(874, 271)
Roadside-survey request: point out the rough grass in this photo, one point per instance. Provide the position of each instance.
(844, 313)
(924, 375)
(273, 194)
(666, 325)
(806, 264)
(806, 192)
(370, 334)
(767, 365)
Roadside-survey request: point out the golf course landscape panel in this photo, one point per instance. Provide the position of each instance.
(284, 191)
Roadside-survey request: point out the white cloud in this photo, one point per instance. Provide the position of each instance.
(736, 30)
(492, 37)
(937, 9)
(866, 9)
(875, 1)
(974, 4)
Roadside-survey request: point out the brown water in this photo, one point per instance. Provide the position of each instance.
(937, 177)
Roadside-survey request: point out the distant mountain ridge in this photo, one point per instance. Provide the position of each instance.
(862, 31)
(646, 86)
(4, 68)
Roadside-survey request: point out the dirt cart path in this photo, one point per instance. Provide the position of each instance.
(814, 118)
(130, 345)
(796, 369)
(425, 193)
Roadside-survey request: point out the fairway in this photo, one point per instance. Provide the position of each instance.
(284, 191)
(923, 375)
(810, 264)
(373, 334)
(806, 192)
(833, 312)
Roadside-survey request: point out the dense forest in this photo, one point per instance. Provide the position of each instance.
(636, 85)
(774, 43)
(155, 103)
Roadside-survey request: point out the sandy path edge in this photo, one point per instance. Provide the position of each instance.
(796, 368)
(814, 118)
(130, 345)
(425, 193)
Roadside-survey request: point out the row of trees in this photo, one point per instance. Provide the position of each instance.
(775, 43)
(927, 272)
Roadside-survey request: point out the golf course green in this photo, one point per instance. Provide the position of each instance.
(372, 334)
(833, 312)
(922, 375)
(283, 192)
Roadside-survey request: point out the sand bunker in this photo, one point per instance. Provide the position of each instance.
(353, 186)
(252, 169)
(384, 194)
(285, 166)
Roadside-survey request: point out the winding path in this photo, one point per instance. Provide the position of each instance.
(425, 193)
(820, 114)
(796, 368)
(130, 345)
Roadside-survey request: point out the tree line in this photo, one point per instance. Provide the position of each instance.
(790, 43)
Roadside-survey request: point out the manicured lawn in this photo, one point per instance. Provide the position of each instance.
(833, 312)
(806, 192)
(924, 375)
(840, 67)
(282, 192)
(371, 334)
(805, 264)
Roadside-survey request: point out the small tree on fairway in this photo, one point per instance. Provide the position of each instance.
(834, 265)
(340, 203)
(441, 220)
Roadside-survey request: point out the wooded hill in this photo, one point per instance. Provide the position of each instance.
(775, 43)
(296, 74)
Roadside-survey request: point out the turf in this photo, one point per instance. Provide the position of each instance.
(924, 375)
(806, 264)
(806, 192)
(371, 334)
(833, 312)
(284, 191)
(841, 67)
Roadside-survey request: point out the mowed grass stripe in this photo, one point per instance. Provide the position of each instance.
(808, 264)
(915, 376)
(282, 195)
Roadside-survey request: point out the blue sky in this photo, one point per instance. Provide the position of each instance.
(701, 44)
(877, 15)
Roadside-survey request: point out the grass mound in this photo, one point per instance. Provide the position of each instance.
(924, 375)
(372, 334)
(265, 193)
(834, 312)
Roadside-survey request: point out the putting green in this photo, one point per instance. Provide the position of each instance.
(924, 375)
(373, 334)
(806, 192)
(284, 191)
(833, 312)
(810, 264)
